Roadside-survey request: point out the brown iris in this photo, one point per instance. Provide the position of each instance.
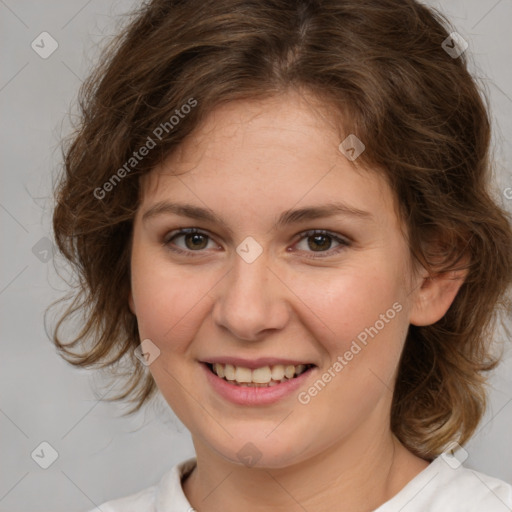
(319, 237)
(195, 237)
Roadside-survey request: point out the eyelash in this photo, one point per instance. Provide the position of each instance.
(344, 243)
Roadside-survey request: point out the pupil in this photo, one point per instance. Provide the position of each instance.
(319, 237)
(195, 237)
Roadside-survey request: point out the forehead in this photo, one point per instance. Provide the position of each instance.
(281, 151)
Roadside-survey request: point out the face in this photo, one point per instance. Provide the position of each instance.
(258, 286)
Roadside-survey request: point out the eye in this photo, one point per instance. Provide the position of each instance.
(317, 241)
(194, 240)
(320, 241)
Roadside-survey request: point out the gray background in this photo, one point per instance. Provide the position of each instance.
(101, 455)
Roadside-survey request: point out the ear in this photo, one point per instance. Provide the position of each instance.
(435, 295)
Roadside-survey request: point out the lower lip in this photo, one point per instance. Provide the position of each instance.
(245, 395)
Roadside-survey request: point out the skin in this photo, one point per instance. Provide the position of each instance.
(249, 162)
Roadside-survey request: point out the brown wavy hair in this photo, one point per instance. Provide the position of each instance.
(379, 66)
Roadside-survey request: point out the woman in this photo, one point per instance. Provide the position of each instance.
(280, 213)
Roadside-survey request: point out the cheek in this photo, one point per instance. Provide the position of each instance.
(168, 301)
(360, 304)
(358, 319)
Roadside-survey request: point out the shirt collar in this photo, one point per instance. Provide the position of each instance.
(169, 495)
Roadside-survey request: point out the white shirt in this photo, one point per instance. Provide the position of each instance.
(438, 488)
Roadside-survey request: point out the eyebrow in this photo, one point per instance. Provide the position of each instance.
(292, 216)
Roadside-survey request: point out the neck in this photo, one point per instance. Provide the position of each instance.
(360, 475)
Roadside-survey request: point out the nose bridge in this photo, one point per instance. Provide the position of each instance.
(249, 301)
(251, 275)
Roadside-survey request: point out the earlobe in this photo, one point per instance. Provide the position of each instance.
(435, 296)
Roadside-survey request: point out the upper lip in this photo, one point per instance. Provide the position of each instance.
(254, 363)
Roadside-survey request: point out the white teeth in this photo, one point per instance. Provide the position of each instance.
(243, 374)
(229, 372)
(259, 377)
(277, 372)
(289, 371)
(300, 368)
(219, 370)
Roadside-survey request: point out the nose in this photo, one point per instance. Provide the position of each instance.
(251, 301)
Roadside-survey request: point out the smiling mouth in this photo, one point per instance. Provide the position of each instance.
(266, 376)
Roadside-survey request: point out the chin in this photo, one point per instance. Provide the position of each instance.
(261, 452)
